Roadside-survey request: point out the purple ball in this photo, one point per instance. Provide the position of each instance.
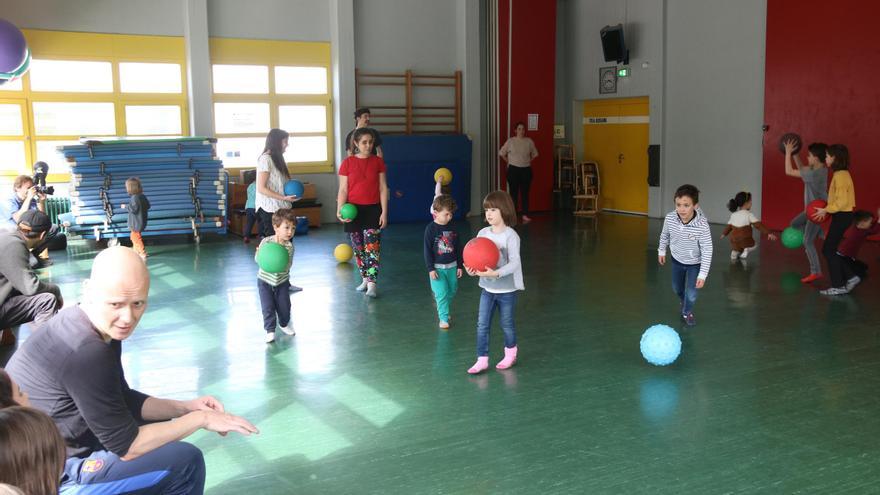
(13, 46)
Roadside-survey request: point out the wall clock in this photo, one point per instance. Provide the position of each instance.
(608, 80)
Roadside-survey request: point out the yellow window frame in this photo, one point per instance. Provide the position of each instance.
(98, 47)
(272, 53)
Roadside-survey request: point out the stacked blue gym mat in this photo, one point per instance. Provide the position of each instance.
(184, 182)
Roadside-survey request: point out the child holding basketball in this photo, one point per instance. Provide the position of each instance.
(841, 200)
(274, 287)
(499, 284)
(815, 178)
(740, 226)
(686, 232)
(443, 255)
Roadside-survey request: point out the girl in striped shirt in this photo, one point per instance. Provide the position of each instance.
(686, 232)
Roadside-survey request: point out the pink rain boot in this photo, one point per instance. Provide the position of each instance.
(480, 366)
(509, 358)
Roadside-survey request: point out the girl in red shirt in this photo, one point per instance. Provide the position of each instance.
(362, 182)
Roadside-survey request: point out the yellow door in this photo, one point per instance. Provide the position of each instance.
(616, 137)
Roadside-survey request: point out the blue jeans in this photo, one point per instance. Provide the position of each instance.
(174, 468)
(488, 302)
(684, 283)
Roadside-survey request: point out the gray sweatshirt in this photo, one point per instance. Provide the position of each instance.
(15, 272)
(509, 266)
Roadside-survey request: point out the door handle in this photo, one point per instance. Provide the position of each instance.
(620, 158)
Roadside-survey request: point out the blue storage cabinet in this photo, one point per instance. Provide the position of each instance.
(411, 163)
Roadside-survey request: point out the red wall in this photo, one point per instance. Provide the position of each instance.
(532, 86)
(821, 82)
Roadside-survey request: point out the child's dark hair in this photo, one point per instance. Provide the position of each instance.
(444, 202)
(358, 134)
(519, 123)
(503, 202)
(818, 150)
(283, 215)
(860, 216)
(689, 191)
(740, 199)
(841, 156)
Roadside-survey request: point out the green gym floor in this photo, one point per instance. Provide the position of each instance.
(776, 389)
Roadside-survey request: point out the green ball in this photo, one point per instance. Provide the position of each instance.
(348, 211)
(792, 238)
(273, 257)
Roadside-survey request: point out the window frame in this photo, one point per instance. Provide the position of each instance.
(269, 53)
(98, 47)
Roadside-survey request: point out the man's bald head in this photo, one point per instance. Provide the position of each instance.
(115, 296)
(116, 262)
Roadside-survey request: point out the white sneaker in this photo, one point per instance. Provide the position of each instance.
(362, 287)
(371, 289)
(851, 283)
(734, 255)
(834, 291)
(746, 252)
(270, 337)
(288, 329)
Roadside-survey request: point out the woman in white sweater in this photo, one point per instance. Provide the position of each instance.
(518, 152)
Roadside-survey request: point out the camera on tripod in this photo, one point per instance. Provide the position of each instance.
(41, 170)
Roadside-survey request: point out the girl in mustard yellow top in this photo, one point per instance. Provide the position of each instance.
(841, 199)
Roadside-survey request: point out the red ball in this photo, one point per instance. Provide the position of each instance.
(813, 206)
(481, 254)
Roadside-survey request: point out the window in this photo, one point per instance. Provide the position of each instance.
(240, 152)
(152, 120)
(12, 86)
(241, 79)
(241, 118)
(84, 88)
(71, 76)
(52, 118)
(10, 120)
(149, 78)
(13, 157)
(302, 118)
(301, 80)
(264, 84)
(47, 151)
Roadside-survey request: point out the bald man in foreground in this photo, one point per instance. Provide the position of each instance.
(118, 440)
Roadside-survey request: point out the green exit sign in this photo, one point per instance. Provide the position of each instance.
(624, 72)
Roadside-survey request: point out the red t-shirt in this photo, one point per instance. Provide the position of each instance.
(853, 239)
(363, 178)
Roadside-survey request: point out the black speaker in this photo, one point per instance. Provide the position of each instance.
(613, 44)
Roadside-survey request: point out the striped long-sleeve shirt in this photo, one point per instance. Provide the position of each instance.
(690, 243)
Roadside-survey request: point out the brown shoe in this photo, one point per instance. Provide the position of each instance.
(7, 338)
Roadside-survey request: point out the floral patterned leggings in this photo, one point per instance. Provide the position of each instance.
(366, 246)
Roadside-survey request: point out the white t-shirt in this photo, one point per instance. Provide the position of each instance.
(742, 218)
(275, 183)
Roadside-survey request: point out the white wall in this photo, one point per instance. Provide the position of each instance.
(291, 20)
(153, 17)
(714, 94)
(704, 78)
(298, 20)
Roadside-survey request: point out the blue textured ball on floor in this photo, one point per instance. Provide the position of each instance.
(294, 187)
(660, 345)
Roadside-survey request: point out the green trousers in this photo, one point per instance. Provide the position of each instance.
(444, 289)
